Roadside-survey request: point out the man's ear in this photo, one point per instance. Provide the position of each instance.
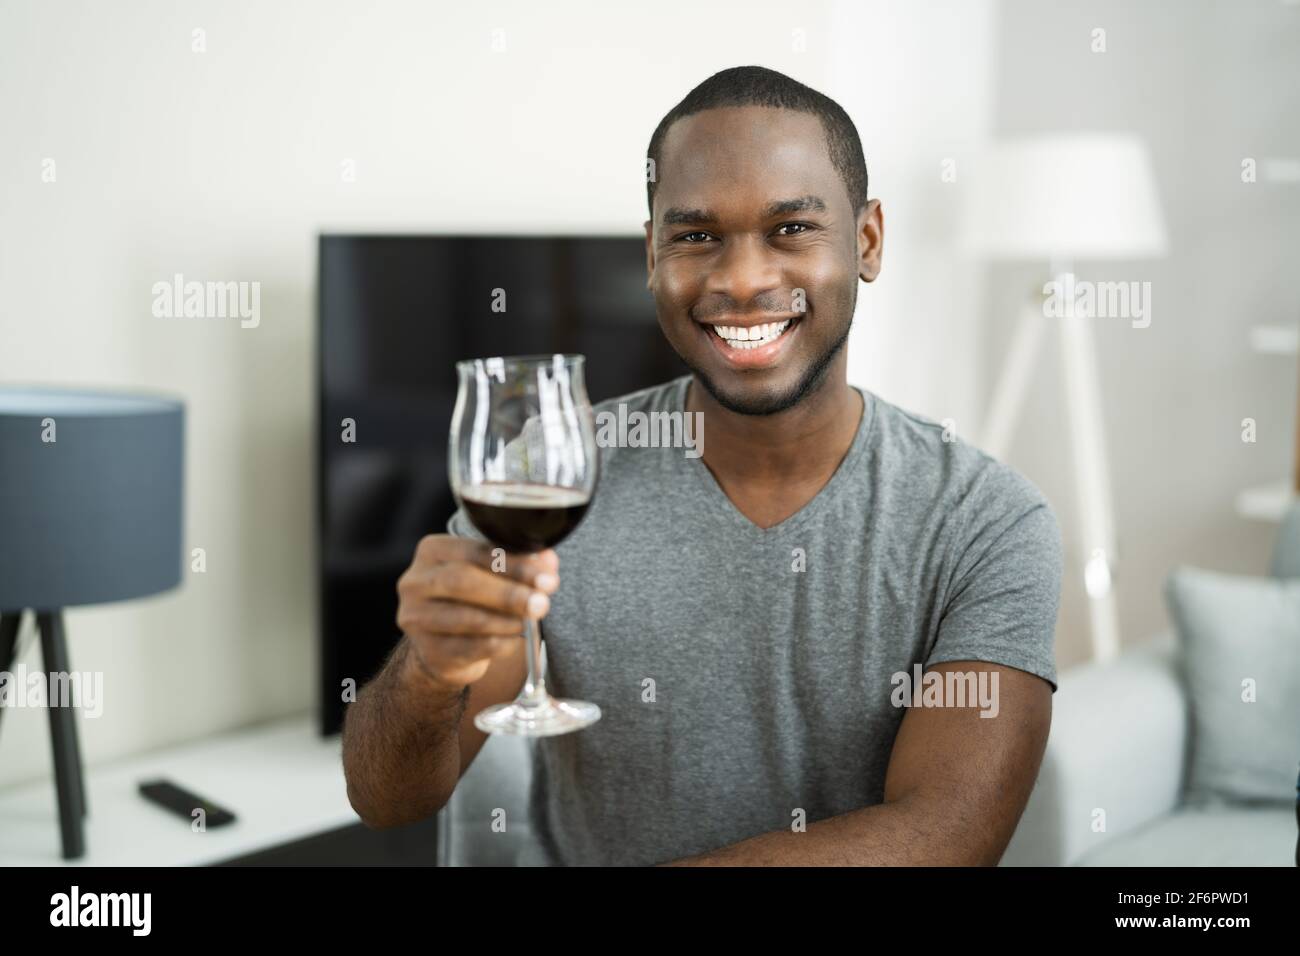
(871, 240)
(649, 252)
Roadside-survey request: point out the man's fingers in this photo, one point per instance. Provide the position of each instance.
(446, 618)
(437, 549)
(470, 584)
(445, 652)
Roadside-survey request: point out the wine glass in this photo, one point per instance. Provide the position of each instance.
(523, 467)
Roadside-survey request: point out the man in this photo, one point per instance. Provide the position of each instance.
(753, 623)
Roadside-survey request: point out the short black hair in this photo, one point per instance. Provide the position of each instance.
(759, 86)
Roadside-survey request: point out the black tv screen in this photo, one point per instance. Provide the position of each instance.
(395, 315)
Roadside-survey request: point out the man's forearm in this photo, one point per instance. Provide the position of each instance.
(902, 833)
(401, 745)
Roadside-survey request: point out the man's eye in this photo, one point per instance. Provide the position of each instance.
(802, 227)
(686, 237)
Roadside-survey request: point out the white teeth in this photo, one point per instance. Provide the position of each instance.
(748, 338)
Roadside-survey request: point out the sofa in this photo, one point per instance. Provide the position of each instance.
(498, 778)
(1121, 741)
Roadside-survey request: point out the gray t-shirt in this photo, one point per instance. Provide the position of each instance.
(745, 674)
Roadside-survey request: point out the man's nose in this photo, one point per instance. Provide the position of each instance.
(745, 269)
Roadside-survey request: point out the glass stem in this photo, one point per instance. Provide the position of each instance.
(534, 692)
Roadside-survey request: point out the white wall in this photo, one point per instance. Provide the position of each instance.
(223, 165)
(918, 81)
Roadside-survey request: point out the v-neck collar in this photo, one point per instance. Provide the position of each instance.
(725, 509)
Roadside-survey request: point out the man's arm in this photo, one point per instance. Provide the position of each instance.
(410, 735)
(401, 743)
(955, 788)
(407, 741)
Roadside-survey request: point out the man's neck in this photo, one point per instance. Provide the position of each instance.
(801, 444)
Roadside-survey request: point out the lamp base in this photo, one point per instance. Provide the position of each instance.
(68, 780)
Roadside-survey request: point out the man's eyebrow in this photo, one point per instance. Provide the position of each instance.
(785, 207)
(677, 216)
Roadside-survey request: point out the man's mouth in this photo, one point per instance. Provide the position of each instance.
(752, 346)
(740, 337)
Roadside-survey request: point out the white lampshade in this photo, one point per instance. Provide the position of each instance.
(1064, 196)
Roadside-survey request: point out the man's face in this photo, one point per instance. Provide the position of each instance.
(754, 254)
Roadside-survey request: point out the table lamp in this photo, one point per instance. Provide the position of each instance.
(90, 512)
(1056, 199)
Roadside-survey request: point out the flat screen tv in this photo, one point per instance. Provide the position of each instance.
(395, 315)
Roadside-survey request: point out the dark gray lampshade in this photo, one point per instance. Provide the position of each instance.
(94, 515)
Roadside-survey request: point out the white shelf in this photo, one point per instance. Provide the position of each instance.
(1275, 339)
(1266, 502)
(282, 780)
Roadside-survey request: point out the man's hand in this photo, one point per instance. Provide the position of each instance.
(458, 613)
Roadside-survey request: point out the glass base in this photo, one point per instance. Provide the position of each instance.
(545, 719)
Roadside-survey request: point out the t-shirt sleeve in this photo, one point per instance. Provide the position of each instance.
(1005, 588)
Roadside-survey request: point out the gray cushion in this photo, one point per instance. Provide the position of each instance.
(1232, 629)
(1218, 837)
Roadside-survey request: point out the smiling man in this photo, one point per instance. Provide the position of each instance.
(827, 641)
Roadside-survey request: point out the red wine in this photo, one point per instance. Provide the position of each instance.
(520, 517)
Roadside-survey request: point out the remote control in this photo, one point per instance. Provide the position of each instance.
(183, 803)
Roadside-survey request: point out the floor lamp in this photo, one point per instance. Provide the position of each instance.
(1059, 200)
